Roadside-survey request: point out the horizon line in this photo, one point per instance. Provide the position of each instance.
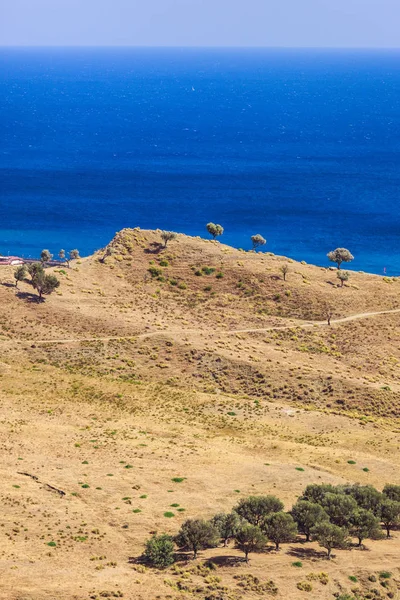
(194, 47)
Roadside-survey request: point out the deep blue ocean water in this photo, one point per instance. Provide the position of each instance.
(300, 146)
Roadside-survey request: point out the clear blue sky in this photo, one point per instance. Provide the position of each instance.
(340, 23)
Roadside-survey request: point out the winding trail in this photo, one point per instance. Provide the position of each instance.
(220, 333)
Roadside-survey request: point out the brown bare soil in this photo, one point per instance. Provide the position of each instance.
(200, 362)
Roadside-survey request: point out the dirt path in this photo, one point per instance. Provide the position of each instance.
(220, 333)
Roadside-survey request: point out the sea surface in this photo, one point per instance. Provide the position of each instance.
(302, 146)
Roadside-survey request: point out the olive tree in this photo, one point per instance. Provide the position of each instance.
(20, 274)
(45, 256)
(364, 524)
(329, 314)
(339, 256)
(316, 492)
(62, 256)
(160, 551)
(226, 525)
(258, 240)
(168, 236)
(197, 534)
(284, 270)
(214, 229)
(339, 508)
(35, 268)
(392, 491)
(44, 284)
(308, 514)
(390, 514)
(366, 496)
(255, 509)
(343, 276)
(250, 538)
(280, 527)
(74, 255)
(330, 536)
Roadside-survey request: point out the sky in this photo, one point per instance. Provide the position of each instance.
(287, 23)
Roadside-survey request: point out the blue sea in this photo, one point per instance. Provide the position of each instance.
(302, 146)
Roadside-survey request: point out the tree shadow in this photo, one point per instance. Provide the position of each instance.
(155, 248)
(9, 285)
(179, 556)
(306, 552)
(227, 561)
(29, 297)
(362, 548)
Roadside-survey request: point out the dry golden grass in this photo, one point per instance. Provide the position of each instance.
(121, 382)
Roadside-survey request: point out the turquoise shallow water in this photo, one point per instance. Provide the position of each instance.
(300, 146)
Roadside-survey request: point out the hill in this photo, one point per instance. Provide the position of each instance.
(197, 363)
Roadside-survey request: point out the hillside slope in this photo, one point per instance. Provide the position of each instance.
(195, 361)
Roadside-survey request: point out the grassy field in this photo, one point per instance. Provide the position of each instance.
(159, 384)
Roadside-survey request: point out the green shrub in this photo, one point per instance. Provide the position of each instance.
(154, 271)
(160, 551)
(208, 270)
(385, 575)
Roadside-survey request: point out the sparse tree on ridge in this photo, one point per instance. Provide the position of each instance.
(284, 270)
(108, 252)
(45, 256)
(330, 536)
(250, 538)
(20, 274)
(74, 255)
(168, 236)
(339, 256)
(308, 514)
(215, 230)
(61, 255)
(258, 240)
(280, 527)
(197, 534)
(343, 276)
